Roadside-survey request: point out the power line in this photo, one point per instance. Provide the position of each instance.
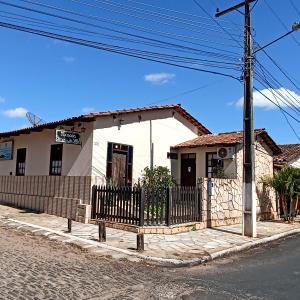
(295, 7)
(284, 99)
(276, 104)
(225, 30)
(190, 60)
(184, 93)
(284, 114)
(122, 8)
(264, 70)
(149, 30)
(280, 21)
(109, 48)
(202, 52)
(176, 11)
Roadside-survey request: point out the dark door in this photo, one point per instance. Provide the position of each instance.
(119, 168)
(188, 169)
(21, 161)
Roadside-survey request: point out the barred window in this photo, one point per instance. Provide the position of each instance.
(21, 162)
(56, 160)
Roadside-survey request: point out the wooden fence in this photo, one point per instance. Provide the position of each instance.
(56, 195)
(144, 207)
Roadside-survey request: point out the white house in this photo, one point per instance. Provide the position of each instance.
(114, 144)
(290, 156)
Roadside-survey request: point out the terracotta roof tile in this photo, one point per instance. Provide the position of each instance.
(91, 117)
(289, 153)
(227, 139)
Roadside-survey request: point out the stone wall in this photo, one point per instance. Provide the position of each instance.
(224, 205)
(56, 195)
(266, 197)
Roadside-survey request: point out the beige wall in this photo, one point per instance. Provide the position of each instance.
(167, 130)
(76, 159)
(266, 198)
(230, 165)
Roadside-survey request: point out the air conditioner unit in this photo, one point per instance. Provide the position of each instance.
(225, 152)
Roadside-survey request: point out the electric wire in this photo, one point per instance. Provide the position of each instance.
(184, 93)
(203, 52)
(295, 7)
(175, 36)
(109, 48)
(297, 120)
(122, 7)
(178, 12)
(51, 25)
(280, 21)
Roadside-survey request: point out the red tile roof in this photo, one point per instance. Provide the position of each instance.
(91, 117)
(289, 153)
(228, 139)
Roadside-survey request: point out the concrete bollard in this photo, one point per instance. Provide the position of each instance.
(140, 242)
(69, 225)
(102, 231)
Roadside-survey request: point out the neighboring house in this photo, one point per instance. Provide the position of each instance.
(114, 144)
(221, 156)
(290, 156)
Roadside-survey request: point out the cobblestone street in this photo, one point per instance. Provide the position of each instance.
(186, 246)
(34, 268)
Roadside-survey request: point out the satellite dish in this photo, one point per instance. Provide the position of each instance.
(34, 119)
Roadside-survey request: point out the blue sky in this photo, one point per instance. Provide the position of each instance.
(55, 80)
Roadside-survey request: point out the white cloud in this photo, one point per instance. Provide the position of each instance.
(2, 100)
(68, 59)
(262, 102)
(19, 112)
(159, 78)
(88, 109)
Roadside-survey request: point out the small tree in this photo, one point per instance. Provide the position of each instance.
(286, 182)
(158, 178)
(156, 182)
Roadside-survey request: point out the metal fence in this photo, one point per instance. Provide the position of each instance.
(147, 207)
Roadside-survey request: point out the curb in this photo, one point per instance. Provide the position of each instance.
(169, 262)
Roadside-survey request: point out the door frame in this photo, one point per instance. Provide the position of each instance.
(125, 149)
(195, 163)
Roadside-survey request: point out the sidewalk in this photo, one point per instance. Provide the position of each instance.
(181, 249)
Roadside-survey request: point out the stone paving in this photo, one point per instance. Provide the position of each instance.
(190, 245)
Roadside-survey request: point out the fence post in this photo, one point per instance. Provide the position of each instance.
(94, 201)
(199, 199)
(168, 206)
(142, 207)
(69, 225)
(140, 242)
(102, 231)
(105, 193)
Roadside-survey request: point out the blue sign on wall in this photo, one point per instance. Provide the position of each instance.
(6, 150)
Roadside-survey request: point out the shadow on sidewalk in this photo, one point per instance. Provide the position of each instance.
(226, 230)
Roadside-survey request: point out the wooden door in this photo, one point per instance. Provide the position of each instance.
(188, 169)
(119, 163)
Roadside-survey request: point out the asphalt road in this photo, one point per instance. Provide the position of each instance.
(33, 267)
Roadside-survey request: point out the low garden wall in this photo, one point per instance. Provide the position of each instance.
(63, 196)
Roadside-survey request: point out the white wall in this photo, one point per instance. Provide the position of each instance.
(76, 159)
(295, 163)
(167, 131)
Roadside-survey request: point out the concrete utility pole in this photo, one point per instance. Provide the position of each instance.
(151, 148)
(249, 199)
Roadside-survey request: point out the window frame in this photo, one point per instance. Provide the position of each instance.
(58, 168)
(212, 173)
(21, 162)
